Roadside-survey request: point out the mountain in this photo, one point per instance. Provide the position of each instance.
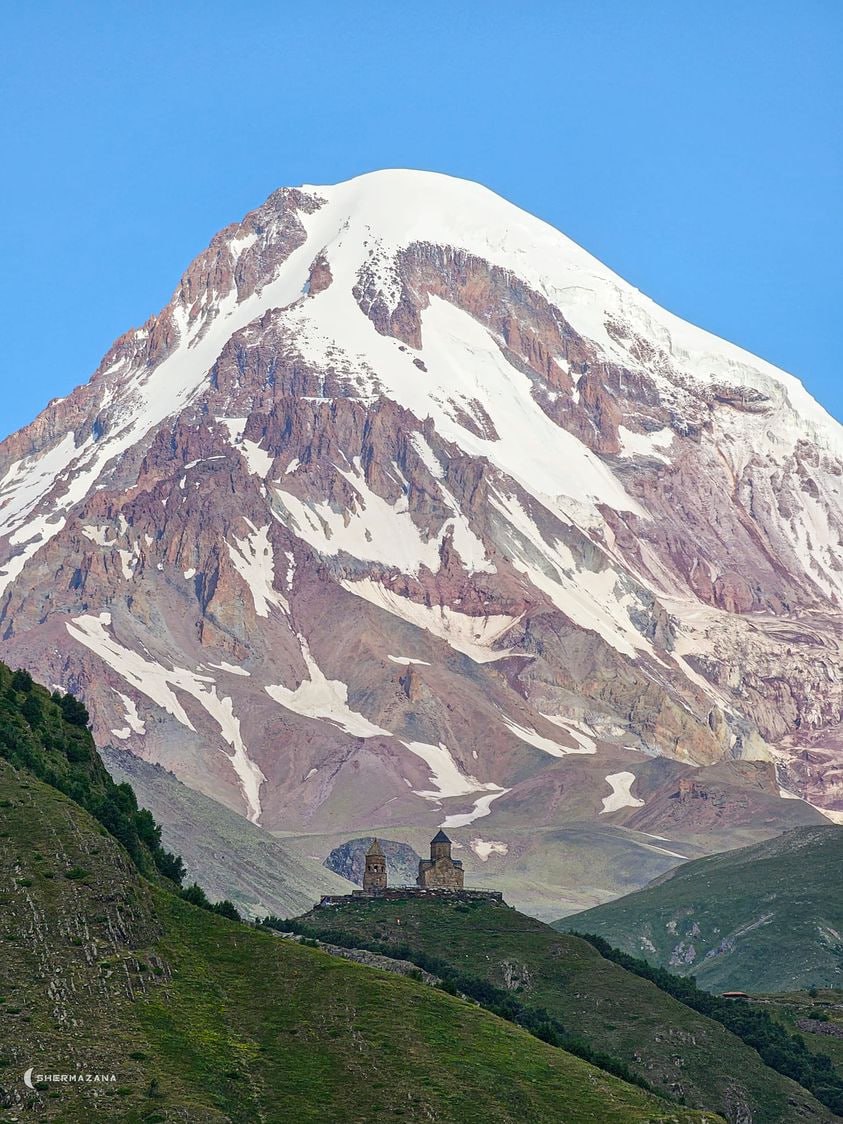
(763, 918)
(406, 511)
(198, 1018)
(499, 956)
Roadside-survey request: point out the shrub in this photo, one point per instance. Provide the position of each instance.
(227, 909)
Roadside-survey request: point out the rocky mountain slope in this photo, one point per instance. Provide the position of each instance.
(230, 857)
(47, 734)
(762, 918)
(406, 511)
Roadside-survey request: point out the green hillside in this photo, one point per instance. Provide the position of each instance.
(611, 1010)
(204, 1019)
(47, 735)
(763, 918)
(106, 971)
(817, 1015)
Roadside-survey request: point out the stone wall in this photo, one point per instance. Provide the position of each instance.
(398, 894)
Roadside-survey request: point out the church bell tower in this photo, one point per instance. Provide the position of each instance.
(374, 876)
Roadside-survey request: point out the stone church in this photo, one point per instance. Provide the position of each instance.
(440, 871)
(440, 874)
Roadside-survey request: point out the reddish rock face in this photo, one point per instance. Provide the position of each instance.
(320, 276)
(732, 592)
(403, 503)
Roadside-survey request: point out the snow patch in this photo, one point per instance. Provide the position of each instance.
(659, 850)
(645, 444)
(134, 723)
(446, 774)
(258, 460)
(373, 530)
(128, 561)
(593, 599)
(231, 668)
(99, 535)
(323, 698)
(242, 242)
(525, 734)
(621, 797)
(483, 848)
(473, 636)
(254, 560)
(586, 743)
(482, 808)
(428, 457)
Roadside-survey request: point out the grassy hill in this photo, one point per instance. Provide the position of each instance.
(47, 735)
(614, 1011)
(104, 970)
(201, 1018)
(763, 918)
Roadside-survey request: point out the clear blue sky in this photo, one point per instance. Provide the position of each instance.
(695, 148)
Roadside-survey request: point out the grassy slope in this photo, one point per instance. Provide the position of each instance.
(48, 736)
(763, 918)
(674, 1048)
(106, 972)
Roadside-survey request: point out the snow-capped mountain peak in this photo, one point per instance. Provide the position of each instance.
(404, 499)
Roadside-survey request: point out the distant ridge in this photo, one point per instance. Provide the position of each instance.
(760, 919)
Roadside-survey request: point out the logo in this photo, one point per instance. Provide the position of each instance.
(34, 1080)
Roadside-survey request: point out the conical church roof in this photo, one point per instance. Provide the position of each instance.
(375, 849)
(440, 837)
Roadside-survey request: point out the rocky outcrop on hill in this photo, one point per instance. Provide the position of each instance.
(349, 861)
